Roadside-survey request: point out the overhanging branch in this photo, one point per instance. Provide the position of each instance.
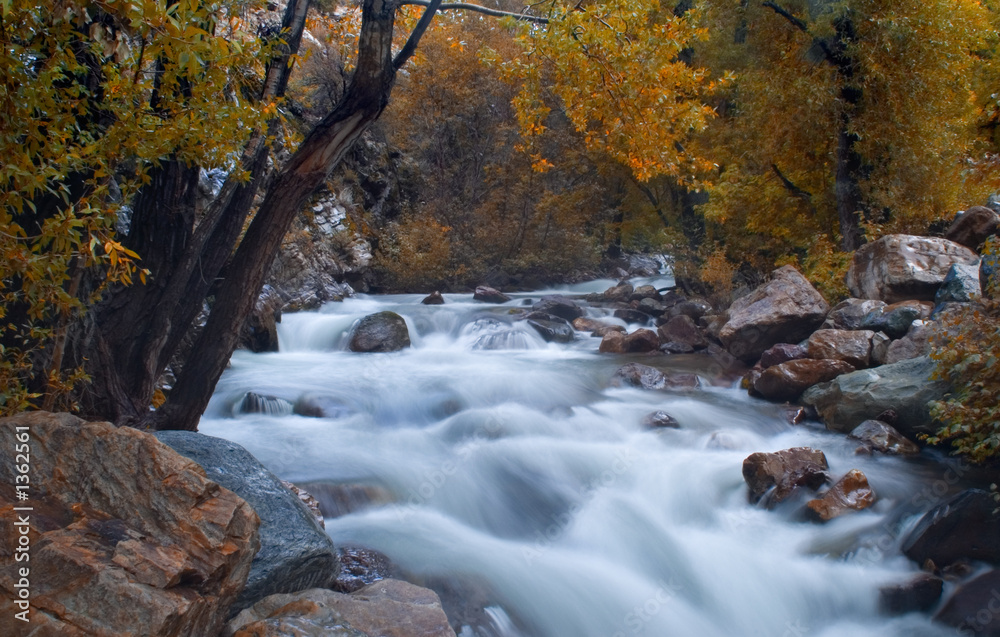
(418, 31)
(464, 6)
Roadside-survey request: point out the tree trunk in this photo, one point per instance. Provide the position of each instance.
(308, 169)
(847, 191)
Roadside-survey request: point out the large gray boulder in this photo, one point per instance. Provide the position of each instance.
(295, 552)
(906, 387)
(899, 267)
(382, 332)
(786, 309)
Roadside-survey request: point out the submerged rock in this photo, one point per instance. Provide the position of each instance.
(646, 377)
(899, 267)
(387, 608)
(434, 298)
(850, 493)
(772, 477)
(254, 403)
(127, 536)
(295, 552)
(382, 332)
(660, 420)
(787, 308)
(920, 594)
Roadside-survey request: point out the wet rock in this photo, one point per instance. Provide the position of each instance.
(613, 343)
(883, 437)
(851, 346)
(961, 285)
(920, 594)
(604, 330)
(632, 316)
(652, 307)
(127, 536)
(916, 343)
(660, 420)
(295, 552)
(695, 308)
(584, 324)
(618, 294)
(673, 347)
(644, 292)
(486, 294)
(965, 527)
(880, 348)
(773, 476)
(260, 333)
(850, 399)
(848, 314)
(553, 330)
(974, 609)
(782, 353)
(850, 493)
(972, 227)
(787, 308)
(337, 499)
(387, 608)
(646, 377)
(896, 319)
(681, 329)
(898, 267)
(307, 499)
(641, 341)
(254, 403)
(434, 298)
(382, 332)
(360, 567)
(787, 381)
(564, 308)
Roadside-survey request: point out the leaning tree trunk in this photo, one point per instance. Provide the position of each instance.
(138, 329)
(307, 170)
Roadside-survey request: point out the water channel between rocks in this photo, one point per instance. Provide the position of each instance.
(513, 467)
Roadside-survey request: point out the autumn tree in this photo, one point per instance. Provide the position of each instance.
(846, 118)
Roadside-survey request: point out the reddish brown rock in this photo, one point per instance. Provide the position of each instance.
(128, 537)
(773, 476)
(850, 346)
(388, 608)
(781, 353)
(880, 436)
(682, 329)
(972, 227)
(604, 330)
(486, 294)
(788, 380)
(899, 267)
(613, 343)
(618, 293)
(850, 493)
(641, 341)
(786, 309)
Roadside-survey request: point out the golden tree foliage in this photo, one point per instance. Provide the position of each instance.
(619, 76)
(91, 96)
(896, 77)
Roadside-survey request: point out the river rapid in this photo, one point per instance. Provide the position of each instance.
(513, 465)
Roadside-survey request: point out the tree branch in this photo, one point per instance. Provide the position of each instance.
(418, 32)
(799, 24)
(790, 186)
(464, 6)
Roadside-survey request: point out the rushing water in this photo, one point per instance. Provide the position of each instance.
(513, 464)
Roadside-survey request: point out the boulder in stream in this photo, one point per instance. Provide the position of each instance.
(772, 477)
(295, 552)
(965, 527)
(920, 593)
(127, 537)
(850, 493)
(434, 298)
(381, 332)
(564, 308)
(486, 294)
(974, 608)
(387, 608)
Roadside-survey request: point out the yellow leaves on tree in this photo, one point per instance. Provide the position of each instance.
(618, 73)
(91, 96)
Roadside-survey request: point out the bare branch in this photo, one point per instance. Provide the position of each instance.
(799, 24)
(790, 186)
(464, 6)
(418, 31)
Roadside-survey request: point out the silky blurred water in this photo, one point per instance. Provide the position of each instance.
(512, 462)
